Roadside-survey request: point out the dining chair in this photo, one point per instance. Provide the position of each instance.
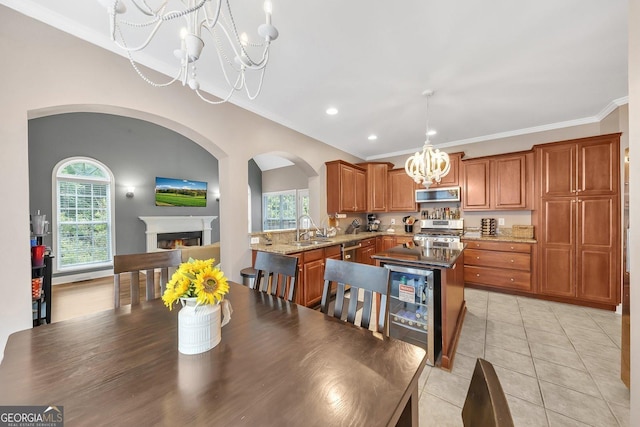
(276, 274)
(201, 252)
(147, 262)
(486, 404)
(370, 279)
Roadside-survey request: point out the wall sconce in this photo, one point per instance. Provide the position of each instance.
(130, 191)
(217, 196)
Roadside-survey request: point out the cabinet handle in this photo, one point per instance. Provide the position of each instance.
(478, 275)
(512, 279)
(511, 261)
(477, 245)
(573, 201)
(578, 190)
(511, 247)
(477, 257)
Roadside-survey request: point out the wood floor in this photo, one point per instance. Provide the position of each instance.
(90, 296)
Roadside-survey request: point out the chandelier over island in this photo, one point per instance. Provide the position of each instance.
(200, 18)
(431, 164)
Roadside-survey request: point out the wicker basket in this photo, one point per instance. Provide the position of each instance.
(522, 231)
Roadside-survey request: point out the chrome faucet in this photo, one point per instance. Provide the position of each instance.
(306, 231)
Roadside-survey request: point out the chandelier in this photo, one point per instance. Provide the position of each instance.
(430, 165)
(200, 18)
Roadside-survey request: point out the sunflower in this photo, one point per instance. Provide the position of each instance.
(211, 285)
(196, 278)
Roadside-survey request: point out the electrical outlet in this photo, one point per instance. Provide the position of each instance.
(341, 215)
(393, 221)
(500, 221)
(255, 240)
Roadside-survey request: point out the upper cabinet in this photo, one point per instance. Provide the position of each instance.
(376, 185)
(452, 179)
(402, 192)
(584, 167)
(503, 182)
(346, 187)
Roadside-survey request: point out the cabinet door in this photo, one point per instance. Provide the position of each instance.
(510, 184)
(452, 178)
(363, 255)
(598, 166)
(377, 187)
(401, 192)
(558, 247)
(387, 242)
(558, 169)
(360, 191)
(475, 192)
(347, 189)
(313, 273)
(597, 261)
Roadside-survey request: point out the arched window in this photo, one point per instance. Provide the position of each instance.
(83, 227)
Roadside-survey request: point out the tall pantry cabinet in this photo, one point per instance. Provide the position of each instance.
(578, 219)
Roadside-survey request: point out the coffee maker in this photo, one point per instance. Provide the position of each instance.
(373, 224)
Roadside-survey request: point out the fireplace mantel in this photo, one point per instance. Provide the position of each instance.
(175, 224)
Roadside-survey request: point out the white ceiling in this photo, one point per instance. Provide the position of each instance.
(498, 67)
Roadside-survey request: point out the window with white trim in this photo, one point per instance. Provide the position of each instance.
(83, 215)
(280, 209)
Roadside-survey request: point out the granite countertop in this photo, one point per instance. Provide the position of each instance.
(409, 253)
(286, 248)
(504, 238)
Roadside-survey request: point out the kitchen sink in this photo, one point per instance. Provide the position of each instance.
(310, 242)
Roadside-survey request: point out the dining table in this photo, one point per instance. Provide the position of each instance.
(278, 363)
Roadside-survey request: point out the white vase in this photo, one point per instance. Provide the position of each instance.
(199, 326)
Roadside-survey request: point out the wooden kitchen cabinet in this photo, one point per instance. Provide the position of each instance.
(578, 219)
(365, 251)
(402, 196)
(452, 179)
(586, 167)
(499, 265)
(376, 185)
(503, 182)
(388, 242)
(346, 187)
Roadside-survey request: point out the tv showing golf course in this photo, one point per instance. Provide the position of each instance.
(180, 192)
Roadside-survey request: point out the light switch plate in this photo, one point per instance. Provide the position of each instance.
(393, 221)
(341, 215)
(500, 221)
(255, 240)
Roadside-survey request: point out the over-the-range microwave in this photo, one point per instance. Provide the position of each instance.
(444, 194)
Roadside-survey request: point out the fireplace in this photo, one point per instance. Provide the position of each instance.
(180, 226)
(178, 240)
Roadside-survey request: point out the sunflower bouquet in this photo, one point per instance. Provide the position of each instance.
(196, 279)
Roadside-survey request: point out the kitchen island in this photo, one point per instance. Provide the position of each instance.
(444, 263)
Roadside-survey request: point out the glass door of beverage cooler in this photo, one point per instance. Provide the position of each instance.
(412, 316)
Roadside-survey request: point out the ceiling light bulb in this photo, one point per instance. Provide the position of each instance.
(183, 33)
(332, 111)
(372, 137)
(244, 39)
(431, 132)
(268, 7)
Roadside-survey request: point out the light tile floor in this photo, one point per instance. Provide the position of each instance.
(558, 364)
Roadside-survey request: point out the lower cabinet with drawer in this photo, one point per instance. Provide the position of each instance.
(499, 265)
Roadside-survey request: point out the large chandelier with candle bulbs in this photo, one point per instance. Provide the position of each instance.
(133, 29)
(431, 164)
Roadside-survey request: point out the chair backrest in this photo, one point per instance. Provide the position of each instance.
(486, 404)
(201, 252)
(148, 262)
(354, 277)
(276, 274)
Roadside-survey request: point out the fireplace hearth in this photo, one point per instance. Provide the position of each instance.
(181, 225)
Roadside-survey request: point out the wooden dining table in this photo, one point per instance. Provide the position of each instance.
(278, 364)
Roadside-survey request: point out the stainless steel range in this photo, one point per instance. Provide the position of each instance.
(439, 232)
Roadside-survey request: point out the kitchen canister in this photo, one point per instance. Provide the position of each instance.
(200, 325)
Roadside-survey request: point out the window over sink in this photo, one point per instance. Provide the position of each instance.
(280, 209)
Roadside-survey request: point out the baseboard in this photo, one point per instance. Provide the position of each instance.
(80, 277)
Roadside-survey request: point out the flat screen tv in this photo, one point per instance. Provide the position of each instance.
(180, 192)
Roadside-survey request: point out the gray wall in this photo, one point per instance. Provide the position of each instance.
(283, 179)
(136, 151)
(255, 183)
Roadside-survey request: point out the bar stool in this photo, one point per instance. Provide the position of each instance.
(248, 276)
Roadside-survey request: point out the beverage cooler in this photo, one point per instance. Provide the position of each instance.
(414, 308)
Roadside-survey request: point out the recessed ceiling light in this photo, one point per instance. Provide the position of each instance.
(372, 137)
(332, 111)
(431, 132)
